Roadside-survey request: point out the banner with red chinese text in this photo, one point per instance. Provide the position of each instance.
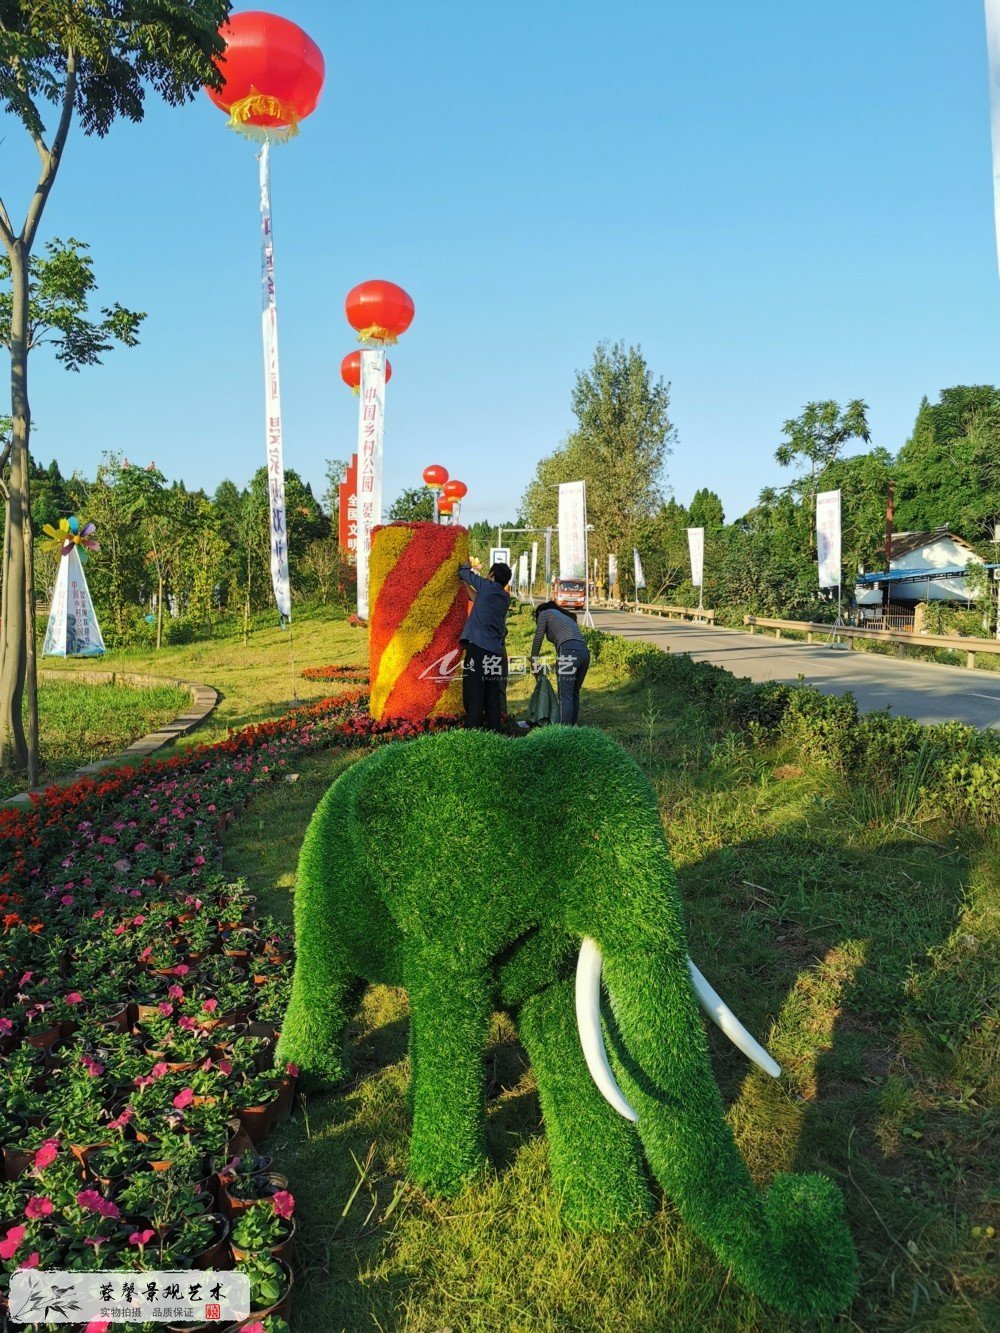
(371, 426)
(272, 399)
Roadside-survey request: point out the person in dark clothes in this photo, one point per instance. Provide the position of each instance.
(572, 656)
(485, 652)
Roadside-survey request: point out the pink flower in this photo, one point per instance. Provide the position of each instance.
(25, 979)
(184, 1098)
(176, 992)
(98, 914)
(138, 920)
(11, 1244)
(141, 1237)
(145, 953)
(74, 997)
(38, 1206)
(31, 1261)
(122, 1120)
(165, 1008)
(118, 930)
(210, 1006)
(96, 1241)
(6, 1027)
(292, 1070)
(159, 1069)
(90, 1199)
(283, 1203)
(67, 900)
(102, 1326)
(94, 1069)
(225, 1068)
(188, 1024)
(255, 1327)
(46, 1154)
(181, 970)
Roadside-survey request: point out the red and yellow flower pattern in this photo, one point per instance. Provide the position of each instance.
(418, 610)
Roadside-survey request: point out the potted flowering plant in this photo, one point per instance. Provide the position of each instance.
(111, 1164)
(270, 1284)
(204, 1237)
(255, 1103)
(265, 1227)
(242, 1187)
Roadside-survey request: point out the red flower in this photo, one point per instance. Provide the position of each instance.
(283, 1204)
(12, 1243)
(184, 1098)
(46, 1154)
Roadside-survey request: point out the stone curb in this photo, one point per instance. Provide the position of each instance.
(203, 702)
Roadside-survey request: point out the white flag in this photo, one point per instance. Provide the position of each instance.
(272, 398)
(640, 578)
(696, 546)
(522, 571)
(828, 538)
(993, 51)
(612, 572)
(72, 630)
(371, 426)
(534, 562)
(573, 530)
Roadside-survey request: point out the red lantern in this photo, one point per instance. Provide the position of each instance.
(445, 507)
(273, 75)
(380, 311)
(350, 371)
(435, 476)
(455, 490)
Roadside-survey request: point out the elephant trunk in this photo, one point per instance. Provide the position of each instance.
(791, 1245)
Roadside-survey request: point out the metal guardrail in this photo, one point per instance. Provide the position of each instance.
(956, 642)
(698, 613)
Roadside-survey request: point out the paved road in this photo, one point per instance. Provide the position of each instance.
(925, 691)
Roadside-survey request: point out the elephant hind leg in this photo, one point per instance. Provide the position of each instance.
(596, 1160)
(449, 1022)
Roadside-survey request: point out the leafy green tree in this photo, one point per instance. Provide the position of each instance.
(93, 60)
(948, 472)
(706, 511)
(412, 506)
(619, 448)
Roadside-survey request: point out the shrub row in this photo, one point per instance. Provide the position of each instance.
(956, 767)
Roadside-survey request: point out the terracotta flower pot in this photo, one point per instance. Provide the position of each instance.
(286, 1098)
(256, 1120)
(43, 1038)
(282, 1250)
(280, 1308)
(215, 1255)
(273, 1181)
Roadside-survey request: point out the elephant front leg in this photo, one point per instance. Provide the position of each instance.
(449, 1022)
(597, 1163)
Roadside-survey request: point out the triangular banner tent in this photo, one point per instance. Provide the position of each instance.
(72, 630)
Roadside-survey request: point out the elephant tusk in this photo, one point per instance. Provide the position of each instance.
(724, 1018)
(588, 1021)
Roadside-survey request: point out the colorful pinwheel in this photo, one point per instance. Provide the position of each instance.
(70, 534)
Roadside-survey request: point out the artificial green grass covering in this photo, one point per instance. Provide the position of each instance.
(468, 867)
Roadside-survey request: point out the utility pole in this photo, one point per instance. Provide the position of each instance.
(888, 553)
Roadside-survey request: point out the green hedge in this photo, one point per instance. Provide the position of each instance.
(953, 768)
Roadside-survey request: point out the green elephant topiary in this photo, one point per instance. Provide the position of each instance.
(475, 870)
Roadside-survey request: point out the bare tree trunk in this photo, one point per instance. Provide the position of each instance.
(159, 609)
(14, 753)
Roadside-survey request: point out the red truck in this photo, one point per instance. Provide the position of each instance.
(571, 594)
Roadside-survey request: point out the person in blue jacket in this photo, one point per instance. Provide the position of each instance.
(485, 667)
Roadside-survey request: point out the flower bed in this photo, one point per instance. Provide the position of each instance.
(140, 998)
(354, 675)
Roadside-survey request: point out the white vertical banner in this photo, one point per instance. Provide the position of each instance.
(72, 630)
(534, 563)
(640, 578)
(272, 398)
(572, 530)
(828, 538)
(612, 574)
(522, 571)
(371, 426)
(993, 53)
(696, 548)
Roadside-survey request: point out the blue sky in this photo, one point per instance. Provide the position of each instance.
(778, 201)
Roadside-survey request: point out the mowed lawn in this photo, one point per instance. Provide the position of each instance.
(854, 937)
(79, 723)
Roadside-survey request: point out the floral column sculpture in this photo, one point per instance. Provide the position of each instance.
(418, 609)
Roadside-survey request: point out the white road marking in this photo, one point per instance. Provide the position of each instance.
(993, 698)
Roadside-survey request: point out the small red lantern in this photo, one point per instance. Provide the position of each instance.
(380, 311)
(445, 507)
(350, 371)
(455, 490)
(435, 476)
(273, 75)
